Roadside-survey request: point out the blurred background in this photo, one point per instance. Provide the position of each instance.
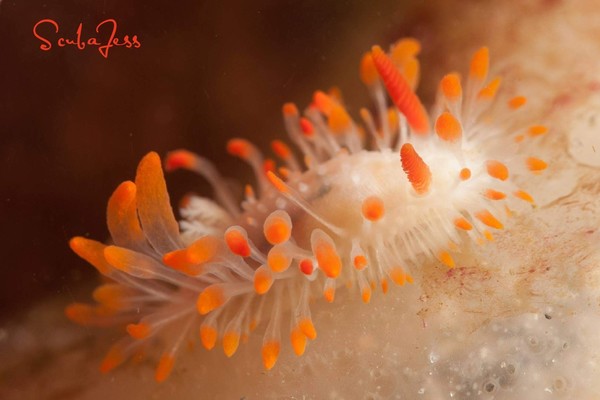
(73, 125)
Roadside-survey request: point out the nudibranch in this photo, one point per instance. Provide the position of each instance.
(367, 204)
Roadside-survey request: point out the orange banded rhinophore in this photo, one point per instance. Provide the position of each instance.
(365, 202)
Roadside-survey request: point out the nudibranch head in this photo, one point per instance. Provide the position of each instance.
(368, 203)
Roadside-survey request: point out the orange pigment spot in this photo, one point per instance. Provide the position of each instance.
(462, 223)
(494, 194)
(373, 208)
(464, 174)
(535, 164)
(400, 92)
(308, 329)
(268, 165)
(298, 340)
(360, 262)
(307, 127)
(270, 352)
(368, 72)
(339, 121)
(211, 298)
(489, 91)
(278, 260)
(179, 159)
(138, 331)
(164, 367)
(537, 130)
(480, 64)
(366, 294)
(111, 295)
(323, 102)
(451, 87)
(281, 149)
(277, 182)
(290, 109)
(208, 336)
(328, 258)
(446, 259)
(392, 116)
(488, 235)
(397, 275)
(487, 218)
(517, 102)
(384, 286)
(240, 148)
(497, 170)
(306, 266)
(329, 294)
(277, 229)
(112, 360)
(448, 128)
(203, 250)
(263, 280)
(416, 170)
(519, 138)
(92, 252)
(523, 195)
(231, 341)
(80, 313)
(178, 260)
(237, 242)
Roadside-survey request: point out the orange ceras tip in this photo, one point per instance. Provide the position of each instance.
(231, 341)
(281, 149)
(451, 87)
(497, 170)
(339, 121)
(446, 258)
(138, 331)
(488, 218)
(416, 170)
(277, 227)
(211, 298)
(263, 279)
(323, 102)
(237, 241)
(298, 340)
(164, 367)
(112, 360)
(462, 223)
(480, 64)
(327, 257)
(92, 252)
(277, 182)
(494, 194)
(489, 91)
(537, 130)
(278, 258)
(290, 109)
(368, 72)
(307, 127)
(208, 336)
(448, 128)
(373, 208)
(400, 92)
(523, 195)
(270, 353)
(240, 148)
(179, 159)
(306, 266)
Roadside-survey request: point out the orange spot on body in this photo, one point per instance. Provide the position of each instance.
(373, 208)
(497, 170)
(535, 164)
(416, 170)
(462, 223)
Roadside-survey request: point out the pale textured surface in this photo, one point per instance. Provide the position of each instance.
(517, 319)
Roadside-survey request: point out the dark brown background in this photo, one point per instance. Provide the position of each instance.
(73, 125)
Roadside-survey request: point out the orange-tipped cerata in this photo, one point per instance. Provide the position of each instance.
(416, 170)
(400, 92)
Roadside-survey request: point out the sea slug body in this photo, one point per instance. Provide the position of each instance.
(366, 205)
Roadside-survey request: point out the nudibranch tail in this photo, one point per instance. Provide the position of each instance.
(356, 209)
